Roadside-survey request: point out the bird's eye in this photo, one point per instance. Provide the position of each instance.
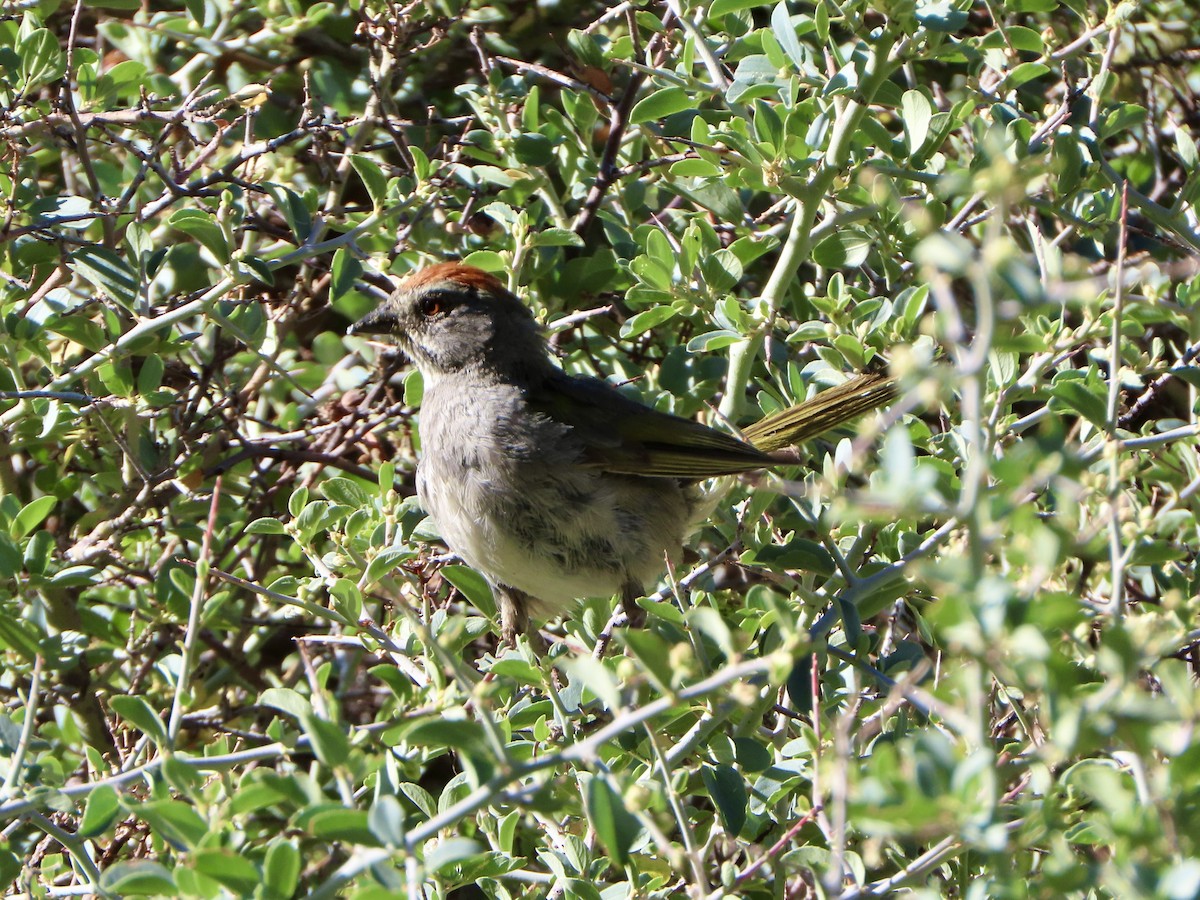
(433, 304)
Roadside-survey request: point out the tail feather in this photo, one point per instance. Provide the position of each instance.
(828, 409)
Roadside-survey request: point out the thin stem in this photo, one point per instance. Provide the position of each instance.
(191, 637)
(1115, 495)
(17, 763)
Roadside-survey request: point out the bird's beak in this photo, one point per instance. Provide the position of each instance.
(380, 321)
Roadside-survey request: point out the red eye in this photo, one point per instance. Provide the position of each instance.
(432, 305)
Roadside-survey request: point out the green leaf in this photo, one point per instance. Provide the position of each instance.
(68, 211)
(846, 248)
(517, 669)
(785, 33)
(31, 516)
(712, 341)
(556, 237)
(799, 685)
(386, 820)
(107, 272)
(286, 700)
(851, 621)
(799, 553)
(1124, 117)
(1186, 148)
(657, 609)
(298, 500)
(468, 738)
(444, 853)
(36, 559)
(1084, 399)
(695, 168)
(662, 103)
(1026, 72)
(533, 150)
(653, 653)
(720, 8)
(942, 16)
(135, 710)
(102, 809)
(329, 741)
(646, 320)
(916, 111)
(204, 228)
(472, 585)
(232, 870)
(281, 869)
(117, 377)
(344, 274)
(333, 822)
(728, 791)
(372, 177)
(1018, 37)
(257, 269)
(721, 270)
(615, 826)
(1032, 6)
(265, 526)
(347, 599)
(42, 60)
(386, 562)
(652, 271)
(11, 558)
(149, 378)
(714, 195)
(293, 209)
(76, 576)
(421, 798)
(768, 127)
(137, 877)
(171, 820)
(348, 492)
(752, 756)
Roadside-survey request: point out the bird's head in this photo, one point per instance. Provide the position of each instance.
(451, 317)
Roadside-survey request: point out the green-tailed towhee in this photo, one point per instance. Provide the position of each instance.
(558, 487)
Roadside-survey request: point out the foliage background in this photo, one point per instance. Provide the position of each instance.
(234, 662)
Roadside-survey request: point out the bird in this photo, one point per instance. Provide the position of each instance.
(559, 487)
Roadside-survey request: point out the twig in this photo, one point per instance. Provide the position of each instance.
(774, 850)
(16, 764)
(1156, 387)
(618, 122)
(190, 636)
(553, 76)
(64, 396)
(1115, 494)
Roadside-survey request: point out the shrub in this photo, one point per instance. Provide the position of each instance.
(952, 652)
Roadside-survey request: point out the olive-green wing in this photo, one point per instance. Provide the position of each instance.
(621, 435)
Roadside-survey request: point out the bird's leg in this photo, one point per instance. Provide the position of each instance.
(514, 608)
(514, 613)
(634, 614)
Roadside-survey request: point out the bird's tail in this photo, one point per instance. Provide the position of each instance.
(828, 409)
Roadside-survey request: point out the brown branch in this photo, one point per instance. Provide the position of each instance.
(618, 122)
(554, 77)
(608, 172)
(1156, 387)
(296, 456)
